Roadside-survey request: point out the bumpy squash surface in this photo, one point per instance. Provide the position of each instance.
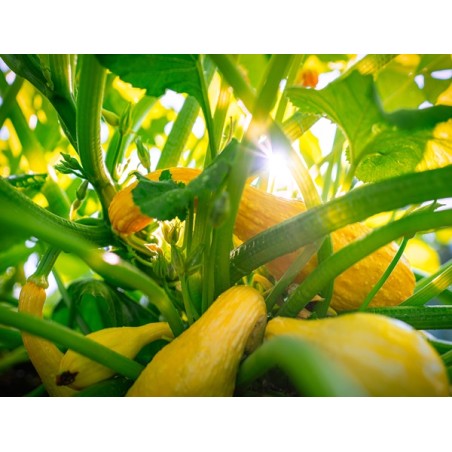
(204, 359)
(260, 210)
(387, 356)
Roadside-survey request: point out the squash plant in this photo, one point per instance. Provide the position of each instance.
(197, 192)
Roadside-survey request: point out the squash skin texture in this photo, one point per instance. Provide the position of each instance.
(44, 355)
(260, 210)
(204, 359)
(126, 341)
(387, 356)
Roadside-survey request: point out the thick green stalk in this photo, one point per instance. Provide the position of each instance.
(69, 239)
(29, 67)
(179, 134)
(432, 286)
(71, 339)
(385, 275)
(291, 273)
(232, 74)
(354, 206)
(89, 111)
(265, 101)
(61, 73)
(312, 373)
(213, 147)
(297, 61)
(357, 250)
(16, 205)
(221, 111)
(420, 318)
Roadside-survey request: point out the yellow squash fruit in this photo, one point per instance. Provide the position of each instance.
(204, 359)
(78, 371)
(44, 355)
(260, 210)
(387, 356)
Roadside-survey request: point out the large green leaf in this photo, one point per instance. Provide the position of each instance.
(158, 73)
(349, 102)
(392, 153)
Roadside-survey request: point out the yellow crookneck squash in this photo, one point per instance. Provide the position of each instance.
(204, 359)
(44, 355)
(260, 210)
(387, 356)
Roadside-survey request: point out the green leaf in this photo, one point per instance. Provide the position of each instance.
(163, 200)
(349, 102)
(166, 200)
(419, 119)
(101, 306)
(397, 88)
(157, 73)
(390, 154)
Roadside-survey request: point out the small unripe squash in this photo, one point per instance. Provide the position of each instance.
(260, 210)
(204, 359)
(387, 356)
(78, 371)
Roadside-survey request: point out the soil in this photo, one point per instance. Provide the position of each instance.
(19, 380)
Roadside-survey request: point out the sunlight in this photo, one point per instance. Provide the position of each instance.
(280, 177)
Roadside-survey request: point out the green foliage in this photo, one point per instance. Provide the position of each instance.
(66, 151)
(99, 305)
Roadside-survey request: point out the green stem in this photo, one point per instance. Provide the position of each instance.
(357, 250)
(297, 61)
(57, 198)
(232, 74)
(17, 205)
(89, 112)
(432, 286)
(311, 373)
(221, 110)
(114, 387)
(266, 99)
(29, 67)
(122, 139)
(385, 275)
(68, 338)
(10, 338)
(334, 159)
(207, 110)
(291, 273)
(108, 265)
(179, 134)
(46, 263)
(61, 73)
(337, 213)
(420, 318)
